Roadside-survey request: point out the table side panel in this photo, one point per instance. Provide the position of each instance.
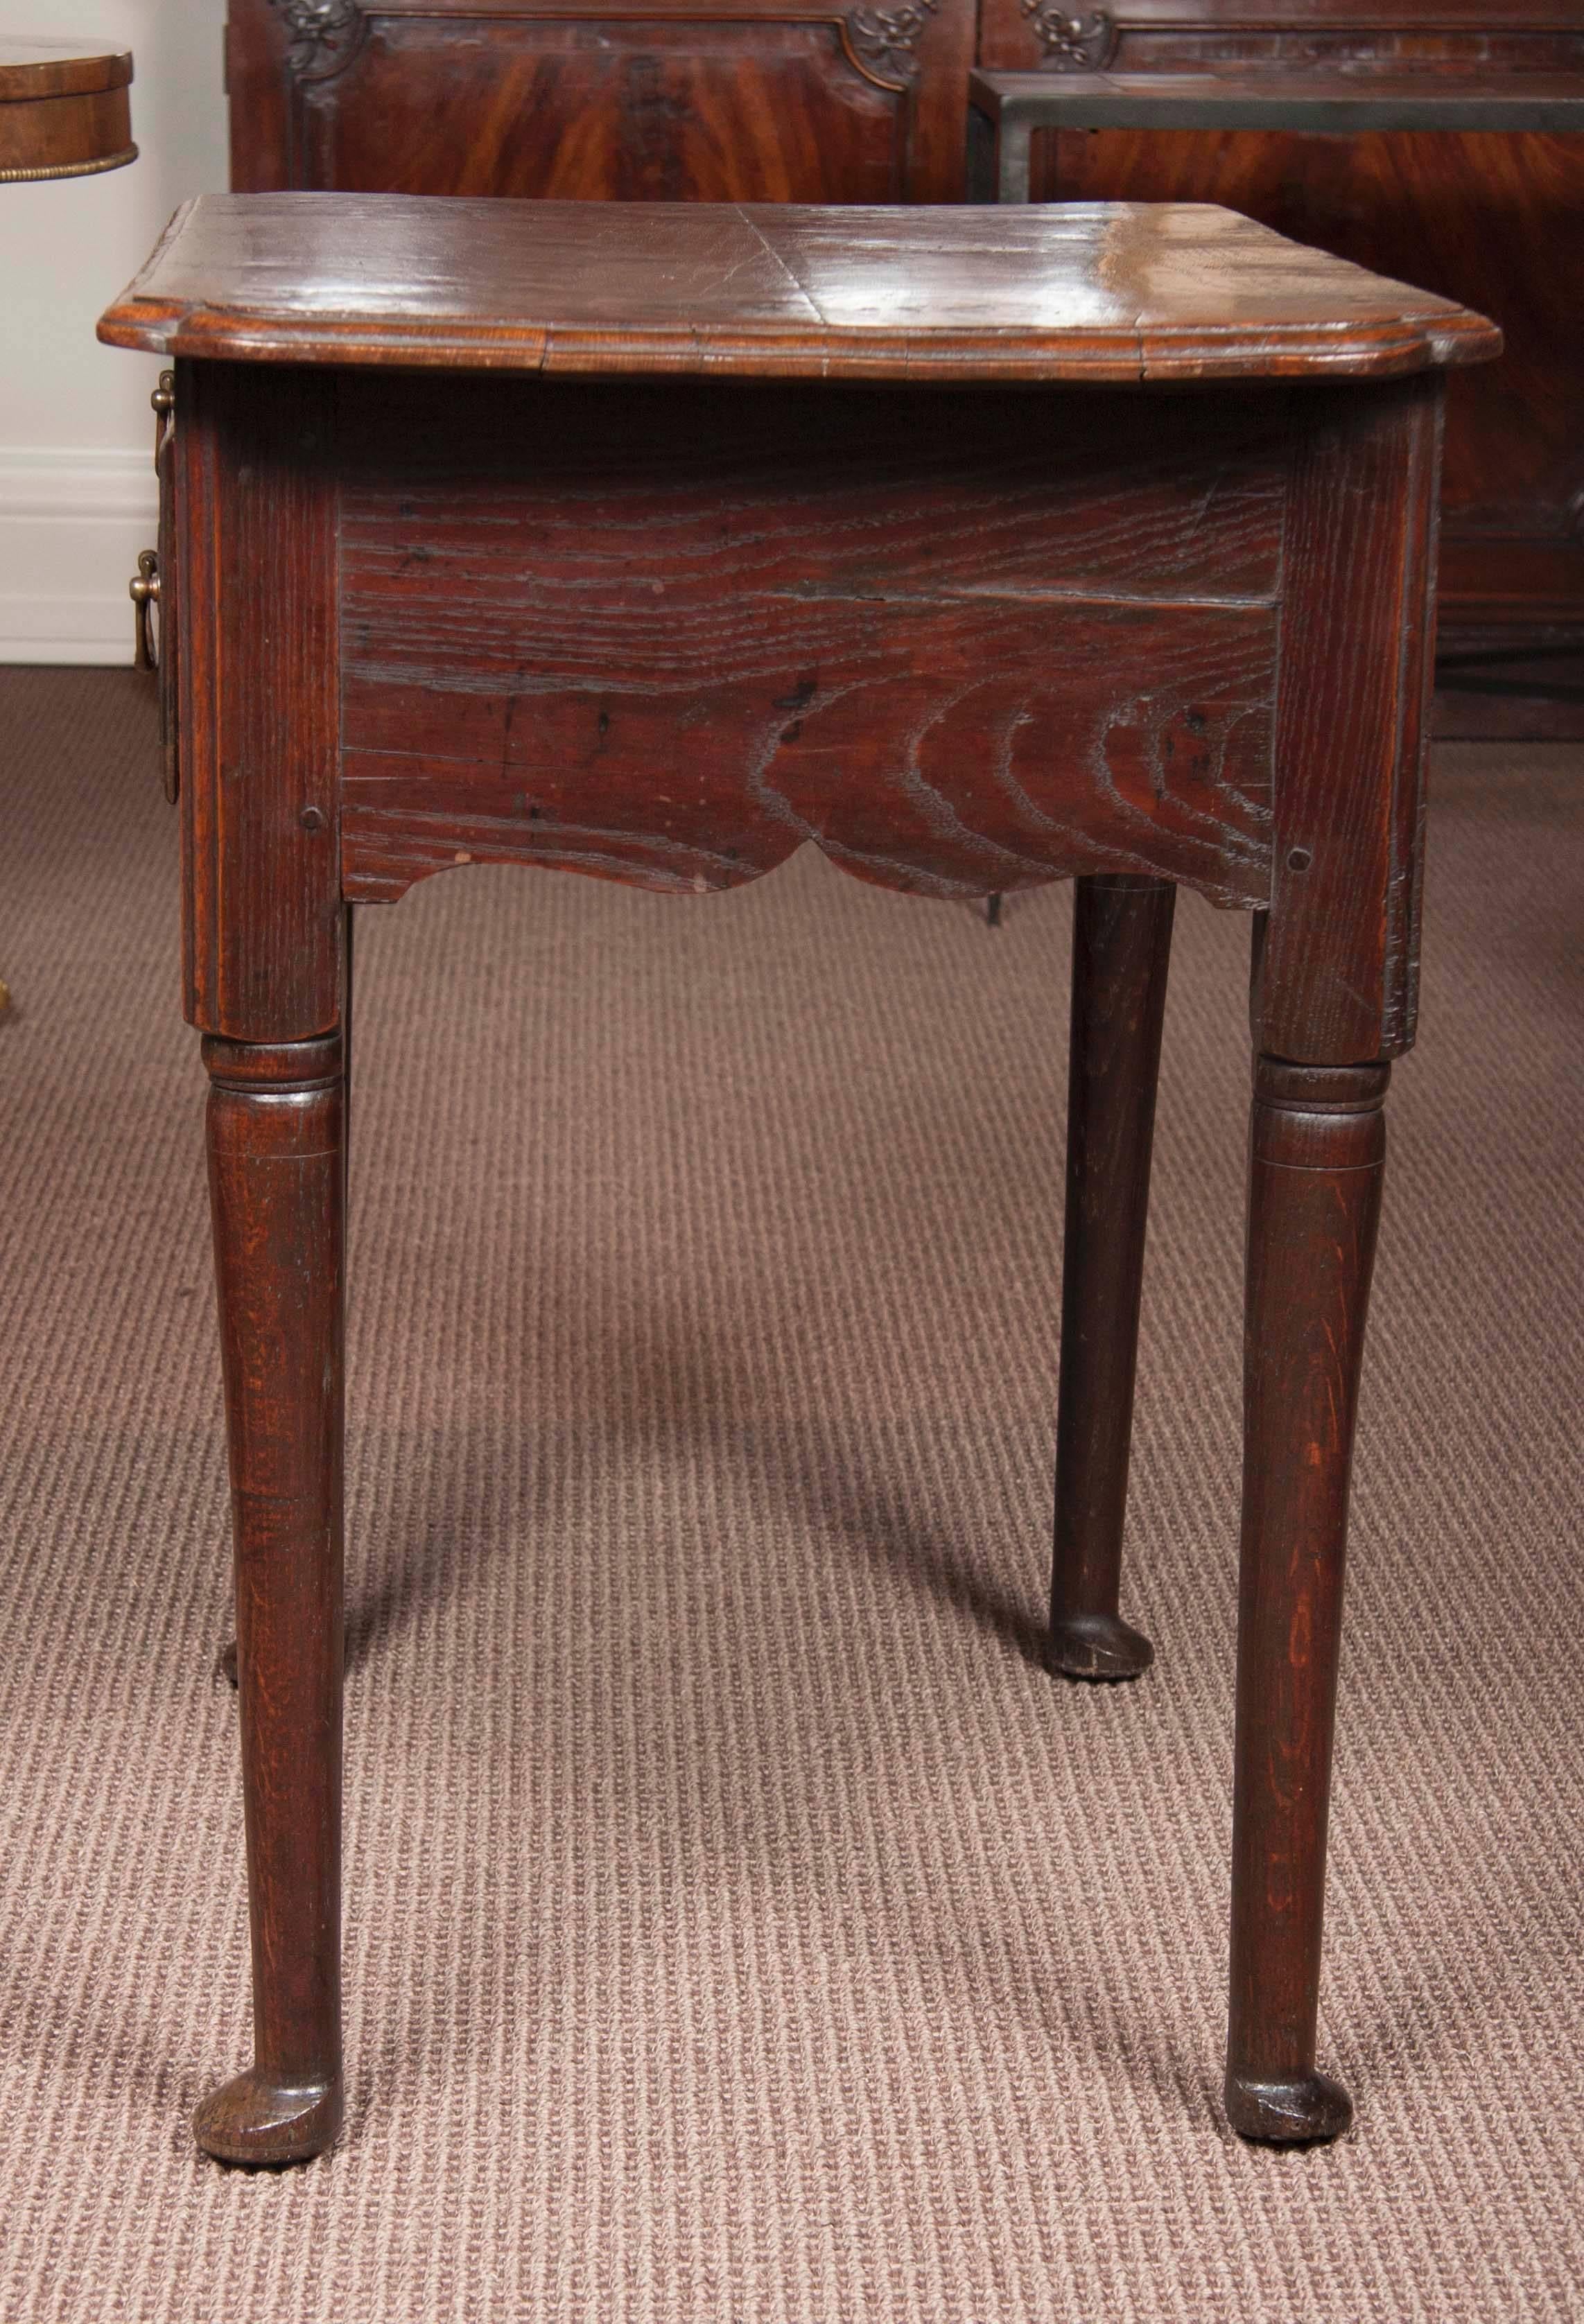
(963, 642)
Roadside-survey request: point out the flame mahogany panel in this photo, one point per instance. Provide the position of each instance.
(760, 100)
(961, 659)
(629, 111)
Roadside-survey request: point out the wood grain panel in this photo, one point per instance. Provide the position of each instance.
(759, 100)
(616, 657)
(879, 738)
(1171, 495)
(1340, 964)
(258, 681)
(619, 110)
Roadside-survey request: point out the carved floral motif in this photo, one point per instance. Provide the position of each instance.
(324, 33)
(883, 41)
(1071, 43)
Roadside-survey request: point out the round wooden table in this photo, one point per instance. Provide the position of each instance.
(64, 110)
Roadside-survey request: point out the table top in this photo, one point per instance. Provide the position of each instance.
(1256, 97)
(1107, 290)
(30, 69)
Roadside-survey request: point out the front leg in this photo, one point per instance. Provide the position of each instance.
(1317, 1159)
(277, 1141)
(226, 1661)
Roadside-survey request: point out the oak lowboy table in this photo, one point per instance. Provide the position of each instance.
(981, 547)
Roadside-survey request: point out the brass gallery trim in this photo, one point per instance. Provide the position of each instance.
(68, 169)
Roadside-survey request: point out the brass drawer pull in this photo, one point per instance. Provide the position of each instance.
(144, 593)
(162, 404)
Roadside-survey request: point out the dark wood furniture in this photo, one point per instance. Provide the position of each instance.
(1007, 109)
(782, 100)
(737, 100)
(64, 110)
(1491, 222)
(980, 548)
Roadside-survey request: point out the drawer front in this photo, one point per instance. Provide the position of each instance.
(962, 643)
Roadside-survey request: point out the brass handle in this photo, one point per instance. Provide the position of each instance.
(144, 593)
(162, 404)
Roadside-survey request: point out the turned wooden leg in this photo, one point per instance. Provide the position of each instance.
(1121, 947)
(276, 1139)
(1317, 1159)
(226, 1661)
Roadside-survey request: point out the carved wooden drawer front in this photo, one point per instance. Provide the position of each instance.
(864, 607)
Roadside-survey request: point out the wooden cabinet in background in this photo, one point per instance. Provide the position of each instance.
(752, 100)
(1495, 222)
(784, 101)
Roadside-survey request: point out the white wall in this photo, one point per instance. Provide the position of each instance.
(77, 493)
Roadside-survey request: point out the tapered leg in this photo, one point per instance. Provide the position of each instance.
(276, 1138)
(1122, 945)
(1317, 1159)
(225, 1662)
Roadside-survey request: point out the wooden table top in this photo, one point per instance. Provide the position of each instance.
(30, 69)
(1258, 98)
(1109, 291)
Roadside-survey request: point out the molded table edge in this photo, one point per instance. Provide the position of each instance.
(1280, 352)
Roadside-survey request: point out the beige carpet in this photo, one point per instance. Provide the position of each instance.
(740, 1926)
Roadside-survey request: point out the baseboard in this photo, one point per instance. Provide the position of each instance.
(71, 524)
